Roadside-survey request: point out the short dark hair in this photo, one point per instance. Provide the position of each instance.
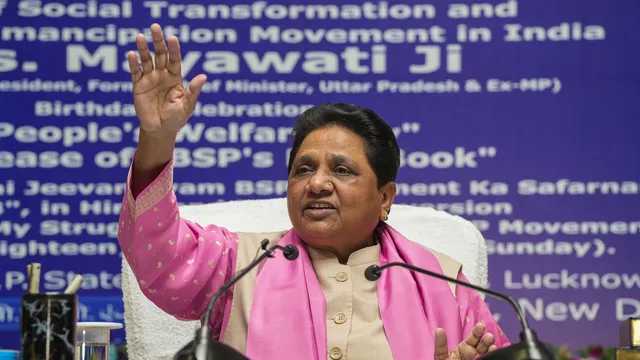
(382, 149)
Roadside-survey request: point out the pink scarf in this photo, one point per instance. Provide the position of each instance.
(288, 316)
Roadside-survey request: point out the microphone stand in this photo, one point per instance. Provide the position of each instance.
(530, 348)
(203, 347)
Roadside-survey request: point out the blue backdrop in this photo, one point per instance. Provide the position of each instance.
(527, 111)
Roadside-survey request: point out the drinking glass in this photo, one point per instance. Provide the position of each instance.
(93, 340)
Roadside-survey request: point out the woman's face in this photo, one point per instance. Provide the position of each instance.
(333, 198)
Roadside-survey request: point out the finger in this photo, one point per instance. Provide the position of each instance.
(441, 349)
(193, 91)
(485, 343)
(492, 348)
(175, 58)
(145, 55)
(159, 46)
(134, 66)
(476, 334)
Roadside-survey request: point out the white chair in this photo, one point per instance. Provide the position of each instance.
(153, 334)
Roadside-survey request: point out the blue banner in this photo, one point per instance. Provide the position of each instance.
(521, 116)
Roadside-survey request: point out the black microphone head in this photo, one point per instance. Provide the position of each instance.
(372, 273)
(291, 252)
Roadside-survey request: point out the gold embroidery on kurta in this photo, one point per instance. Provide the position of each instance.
(156, 192)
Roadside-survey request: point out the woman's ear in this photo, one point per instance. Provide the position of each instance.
(388, 192)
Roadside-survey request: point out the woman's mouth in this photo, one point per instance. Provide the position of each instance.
(319, 211)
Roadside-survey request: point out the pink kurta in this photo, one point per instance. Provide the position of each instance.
(180, 265)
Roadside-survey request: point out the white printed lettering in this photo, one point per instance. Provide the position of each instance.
(569, 280)
(261, 187)
(14, 278)
(569, 187)
(56, 280)
(483, 10)
(55, 248)
(8, 228)
(520, 227)
(89, 9)
(486, 187)
(563, 32)
(627, 308)
(558, 311)
(64, 227)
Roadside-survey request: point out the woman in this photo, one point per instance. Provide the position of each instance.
(341, 185)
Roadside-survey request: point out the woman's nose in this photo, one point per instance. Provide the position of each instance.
(320, 182)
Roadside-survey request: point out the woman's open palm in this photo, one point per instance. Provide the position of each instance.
(161, 101)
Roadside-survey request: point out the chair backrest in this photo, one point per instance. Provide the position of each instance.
(153, 334)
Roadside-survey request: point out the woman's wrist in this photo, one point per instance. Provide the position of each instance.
(154, 150)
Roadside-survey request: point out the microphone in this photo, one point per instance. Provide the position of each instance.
(203, 347)
(529, 347)
(290, 252)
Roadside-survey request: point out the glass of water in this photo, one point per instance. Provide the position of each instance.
(93, 340)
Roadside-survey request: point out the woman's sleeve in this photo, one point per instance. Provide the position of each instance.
(474, 310)
(178, 264)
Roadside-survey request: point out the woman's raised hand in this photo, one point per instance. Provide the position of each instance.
(162, 103)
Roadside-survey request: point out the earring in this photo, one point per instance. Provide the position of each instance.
(386, 215)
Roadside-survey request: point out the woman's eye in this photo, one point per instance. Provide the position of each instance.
(343, 170)
(302, 170)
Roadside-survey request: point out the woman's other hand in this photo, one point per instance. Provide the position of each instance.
(162, 103)
(476, 344)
